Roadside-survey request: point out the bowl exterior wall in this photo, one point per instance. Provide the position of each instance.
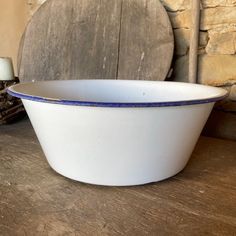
(117, 146)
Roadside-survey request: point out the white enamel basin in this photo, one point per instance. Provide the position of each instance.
(117, 132)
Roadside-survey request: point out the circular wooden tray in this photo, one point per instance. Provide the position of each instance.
(87, 39)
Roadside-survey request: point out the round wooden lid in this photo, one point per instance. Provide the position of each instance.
(87, 39)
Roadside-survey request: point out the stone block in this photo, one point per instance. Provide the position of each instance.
(181, 19)
(218, 3)
(182, 37)
(176, 5)
(180, 5)
(222, 41)
(216, 70)
(210, 18)
(180, 72)
(219, 16)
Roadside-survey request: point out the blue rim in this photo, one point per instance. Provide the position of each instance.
(116, 104)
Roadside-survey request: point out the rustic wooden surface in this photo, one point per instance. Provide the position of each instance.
(146, 41)
(34, 200)
(88, 39)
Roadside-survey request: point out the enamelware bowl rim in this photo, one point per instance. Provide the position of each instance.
(12, 90)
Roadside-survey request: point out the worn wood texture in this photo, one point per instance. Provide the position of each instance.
(34, 200)
(146, 41)
(88, 39)
(194, 42)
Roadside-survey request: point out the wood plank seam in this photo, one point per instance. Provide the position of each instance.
(119, 39)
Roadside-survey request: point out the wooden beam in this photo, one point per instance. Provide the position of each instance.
(193, 50)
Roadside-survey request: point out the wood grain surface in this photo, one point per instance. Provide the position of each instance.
(88, 39)
(35, 200)
(146, 41)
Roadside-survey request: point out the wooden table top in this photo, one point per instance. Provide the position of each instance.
(35, 200)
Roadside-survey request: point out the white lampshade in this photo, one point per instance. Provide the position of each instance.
(6, 69)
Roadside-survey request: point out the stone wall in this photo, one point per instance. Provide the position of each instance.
(217, 44)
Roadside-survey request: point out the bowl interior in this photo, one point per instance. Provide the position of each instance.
(117, 91)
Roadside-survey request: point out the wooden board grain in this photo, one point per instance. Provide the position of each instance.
(35, 200)
(146, 41)
(88, 39)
